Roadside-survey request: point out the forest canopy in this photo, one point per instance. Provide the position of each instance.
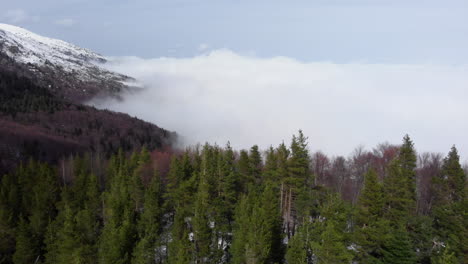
(212, 204)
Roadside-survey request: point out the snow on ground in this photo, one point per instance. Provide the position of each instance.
(29, 48)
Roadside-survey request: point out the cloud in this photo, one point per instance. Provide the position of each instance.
(223, 96)
(18, 16)
(66, 22)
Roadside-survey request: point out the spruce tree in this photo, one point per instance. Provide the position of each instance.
(150, 224)
(398, 248)
(446, 256)
(450, 205)
(298, 250)
(270, 172)
(257, 232)
(454, 176)
(10, 201)
(27, 249)
(245, 171)
(331, 247)
(372, 230)
(299, 169)
(407, 158)
(398, 200)
(256, 165)
(180, 249)
(118, 234)
(201, 222)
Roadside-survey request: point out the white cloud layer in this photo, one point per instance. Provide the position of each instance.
(223, 96)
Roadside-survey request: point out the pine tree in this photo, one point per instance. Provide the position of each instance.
(450, 205)
(255, 164)
(270, 172)
(72, 237)
(38, 187)
(454, 176)
(298, 250)
(372, 230)
(331, 248)
(298, 176)
(201, 222)
(407, 158)
(10, 201)
(398, 248)
(27, 249)
(398, 199)
(371, 200)
(118, 234)
(180, 249)
(257, 232)
(421, 232)
(241, 229)
(447, 256)
(150, 224)
(225, 202)
(229, 183)
(245, 170)
(182, 188)
(299, 171)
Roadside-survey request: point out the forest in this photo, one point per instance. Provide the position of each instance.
(212, 204)
(34, 122)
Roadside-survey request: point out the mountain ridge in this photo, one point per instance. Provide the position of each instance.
(54, 64)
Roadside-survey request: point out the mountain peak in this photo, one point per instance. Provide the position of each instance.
(77, 74)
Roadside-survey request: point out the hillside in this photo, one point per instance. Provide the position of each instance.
(43, 83)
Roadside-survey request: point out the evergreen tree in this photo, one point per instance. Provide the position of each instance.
(372, 230)
(245, 171)
(180, 249)
(450, 205)
(331, 248)
(421, 232)
(454, 176)
(371, 200)
(118, 234)
(224, 204)
(72, 237)
(407, 158)
(255, 164)
(27, 248)
(398, 200)
(10, 201)
(201, 222)
(150, 224)
(299, 171)
(447, 256)
(270, 172)
(298, 250)
(298, 176)
(257, 232)
(398, 248)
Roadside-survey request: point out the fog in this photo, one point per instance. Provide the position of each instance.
(223, 96)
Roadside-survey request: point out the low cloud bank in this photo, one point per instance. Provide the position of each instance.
(224, 96)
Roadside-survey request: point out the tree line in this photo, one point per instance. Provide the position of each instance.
(218, 205)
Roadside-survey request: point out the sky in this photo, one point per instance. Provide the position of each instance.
(347, 72)
(340, 31)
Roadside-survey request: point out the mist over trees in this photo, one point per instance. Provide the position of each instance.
(213, 204)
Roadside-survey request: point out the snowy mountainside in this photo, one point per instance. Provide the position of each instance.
(71, 72)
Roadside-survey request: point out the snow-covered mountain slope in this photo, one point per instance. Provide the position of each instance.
(69, 71)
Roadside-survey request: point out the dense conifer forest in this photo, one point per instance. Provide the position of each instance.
(212, 204)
